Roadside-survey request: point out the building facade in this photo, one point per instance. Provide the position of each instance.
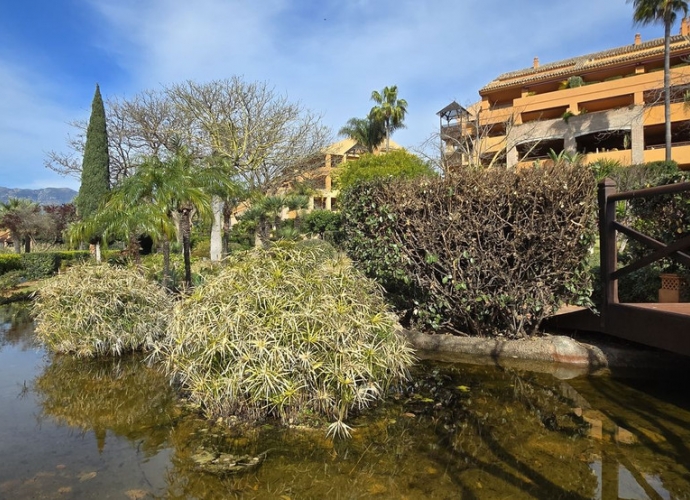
(607, 105)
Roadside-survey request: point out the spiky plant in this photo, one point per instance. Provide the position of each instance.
(98, 310)
(283, 330)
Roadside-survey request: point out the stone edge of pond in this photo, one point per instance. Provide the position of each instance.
(560, 355)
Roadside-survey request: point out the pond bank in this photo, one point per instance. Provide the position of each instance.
(559, 355)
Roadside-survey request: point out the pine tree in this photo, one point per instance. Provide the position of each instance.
(95, 169)
(95, 172)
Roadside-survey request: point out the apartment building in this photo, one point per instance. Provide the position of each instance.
(320, 178)
(606, 105)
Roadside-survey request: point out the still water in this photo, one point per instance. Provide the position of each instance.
(73, 429)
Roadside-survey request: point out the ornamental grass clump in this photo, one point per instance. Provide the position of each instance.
(284, 332)
(95, 310)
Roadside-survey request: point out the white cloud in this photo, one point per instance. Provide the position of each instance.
(328, 54)
(31, 124)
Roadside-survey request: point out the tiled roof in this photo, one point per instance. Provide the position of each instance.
(344, 146)
(581, 64)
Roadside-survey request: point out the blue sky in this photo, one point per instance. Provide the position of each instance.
(328, 54)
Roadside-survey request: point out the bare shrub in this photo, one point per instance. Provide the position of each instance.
(493, 251)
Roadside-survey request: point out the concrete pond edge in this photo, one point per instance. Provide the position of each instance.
(560, 355)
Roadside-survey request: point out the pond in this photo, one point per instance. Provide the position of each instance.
(80, 429)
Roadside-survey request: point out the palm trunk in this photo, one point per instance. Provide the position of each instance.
(166, 262)
(667, 86)
(388, 135)
(186, 230)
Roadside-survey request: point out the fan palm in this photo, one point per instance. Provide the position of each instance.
(368, 132)
(664, 12)
(389, 109)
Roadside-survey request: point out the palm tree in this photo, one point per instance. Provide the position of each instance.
(368, 132)
(662, 11)
(144, 203)
(389, 109)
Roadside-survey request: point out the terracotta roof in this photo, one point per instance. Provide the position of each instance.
(581, 64)
(346, 145)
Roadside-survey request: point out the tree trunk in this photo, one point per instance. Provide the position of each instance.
(388, 135)
(166, 262)
(217, 229)
(17, 243)
(98, 252)
(186, 230)
(27, 244)
(667, 86)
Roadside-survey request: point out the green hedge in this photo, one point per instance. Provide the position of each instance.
(39, 265)
(10, 262)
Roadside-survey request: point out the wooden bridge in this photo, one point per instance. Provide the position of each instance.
(662, 325)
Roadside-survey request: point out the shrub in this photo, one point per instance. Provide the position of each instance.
(40, 265)
(10, 280)
(284, 330)
(94, 310)
(665, 218)
(369, 221)
(492, 251)
(321, 221)
(395, 164)
(202, 249)
(10, 262)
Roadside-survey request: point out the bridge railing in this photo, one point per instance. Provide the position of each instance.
(608, 228)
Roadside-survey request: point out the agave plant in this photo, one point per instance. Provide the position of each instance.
(283, 330)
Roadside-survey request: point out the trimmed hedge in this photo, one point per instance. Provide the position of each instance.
(38, 265)
(489, 251)
(10, 262)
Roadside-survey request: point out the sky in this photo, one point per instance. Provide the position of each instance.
(327, 54)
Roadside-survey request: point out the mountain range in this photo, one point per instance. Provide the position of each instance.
(46, 196)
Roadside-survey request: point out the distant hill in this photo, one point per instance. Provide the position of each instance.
(46, 196)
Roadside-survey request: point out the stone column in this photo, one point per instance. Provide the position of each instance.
(637, 135)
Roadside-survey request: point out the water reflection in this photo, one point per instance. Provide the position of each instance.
(16, 327)
(457, 431)
(123, 396)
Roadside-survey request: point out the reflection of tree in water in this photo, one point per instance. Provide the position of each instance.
(659, 426)
(510, 434)
(457, 432)
(122, 395)
(16, 325)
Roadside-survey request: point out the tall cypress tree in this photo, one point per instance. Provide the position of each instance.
(95, 170)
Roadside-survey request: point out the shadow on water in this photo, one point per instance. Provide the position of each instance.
(116, 427)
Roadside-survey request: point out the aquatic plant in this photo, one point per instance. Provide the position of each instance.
(285, 330)
(94, 310)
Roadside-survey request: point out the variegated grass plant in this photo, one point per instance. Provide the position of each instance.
(282, 331)
(93, 310)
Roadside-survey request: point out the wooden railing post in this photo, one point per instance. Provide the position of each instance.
(607, 246)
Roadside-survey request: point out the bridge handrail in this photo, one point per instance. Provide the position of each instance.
(678, 187)
(608, 227)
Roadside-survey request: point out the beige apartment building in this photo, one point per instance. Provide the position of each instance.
(606, 105)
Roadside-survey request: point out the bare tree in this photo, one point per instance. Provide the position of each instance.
(264, 138)
(261, 137)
